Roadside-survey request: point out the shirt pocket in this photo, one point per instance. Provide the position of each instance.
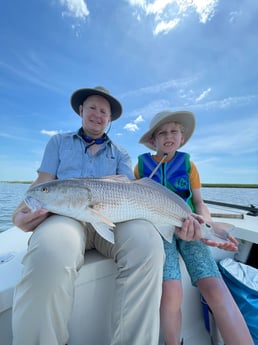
(107, 166)
(70, 164)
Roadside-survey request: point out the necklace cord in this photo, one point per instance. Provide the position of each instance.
(161, 161)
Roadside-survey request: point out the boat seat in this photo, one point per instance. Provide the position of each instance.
(94, 289)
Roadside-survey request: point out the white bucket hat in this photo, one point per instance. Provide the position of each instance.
(185, 118)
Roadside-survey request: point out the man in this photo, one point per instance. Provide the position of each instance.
(44, 296)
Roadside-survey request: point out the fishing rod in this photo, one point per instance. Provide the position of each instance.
(252, 210)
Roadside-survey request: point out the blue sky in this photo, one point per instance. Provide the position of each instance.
(197, 55)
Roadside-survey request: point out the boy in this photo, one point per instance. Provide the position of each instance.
(168, 132)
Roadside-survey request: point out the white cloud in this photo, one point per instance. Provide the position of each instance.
(165, 27)
(16, 137)
(157, 7)
(24, 70)
(131, 127)
(234, 15)
(205, 9)
(158, 88)
(139, 119)
(203, 95)
(167, 14)
(6, 135)
(75, 8)
(137, 2)
(50, 133)
(226, 102)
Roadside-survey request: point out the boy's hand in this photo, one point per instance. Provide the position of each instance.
(190, 230)
(230, 245)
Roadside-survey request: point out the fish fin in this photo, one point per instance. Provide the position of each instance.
(148, 182)
(166, 231)
(116, 178)
(104, 231)
(103, 218)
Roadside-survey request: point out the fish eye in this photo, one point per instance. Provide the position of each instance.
(44, 189)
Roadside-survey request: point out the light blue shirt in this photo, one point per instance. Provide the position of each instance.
(66, 156)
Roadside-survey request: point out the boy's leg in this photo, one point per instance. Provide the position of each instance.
(170, 309)
(227, 315)
(204, 273)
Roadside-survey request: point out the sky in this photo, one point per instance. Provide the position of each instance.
(196, 55)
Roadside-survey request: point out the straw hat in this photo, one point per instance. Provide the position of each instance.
(185, 118)
(79, 96)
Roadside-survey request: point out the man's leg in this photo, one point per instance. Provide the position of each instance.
(44, 295)
(139, 254)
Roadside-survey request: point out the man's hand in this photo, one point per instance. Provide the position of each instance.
(27, 220)
(23, 217)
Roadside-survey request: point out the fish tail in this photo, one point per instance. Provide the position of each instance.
(216, 231)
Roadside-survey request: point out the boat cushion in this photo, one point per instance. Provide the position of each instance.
(242, 281)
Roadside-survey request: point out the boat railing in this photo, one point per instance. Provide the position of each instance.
(252, 210)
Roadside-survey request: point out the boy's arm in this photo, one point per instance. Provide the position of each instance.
(202, 209)
(199, 205)
(136, 172)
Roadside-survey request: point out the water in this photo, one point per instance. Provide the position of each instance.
(11, 195)
(237, 196)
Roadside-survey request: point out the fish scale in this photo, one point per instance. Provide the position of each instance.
(151, 204)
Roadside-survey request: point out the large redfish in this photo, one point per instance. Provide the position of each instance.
(113, 199)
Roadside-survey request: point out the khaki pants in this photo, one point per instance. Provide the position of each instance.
(44, 296)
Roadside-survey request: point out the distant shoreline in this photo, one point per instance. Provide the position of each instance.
(230, 185)
(205, 185)
(21, 182)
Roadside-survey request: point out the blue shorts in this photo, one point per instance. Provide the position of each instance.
(197, 258)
